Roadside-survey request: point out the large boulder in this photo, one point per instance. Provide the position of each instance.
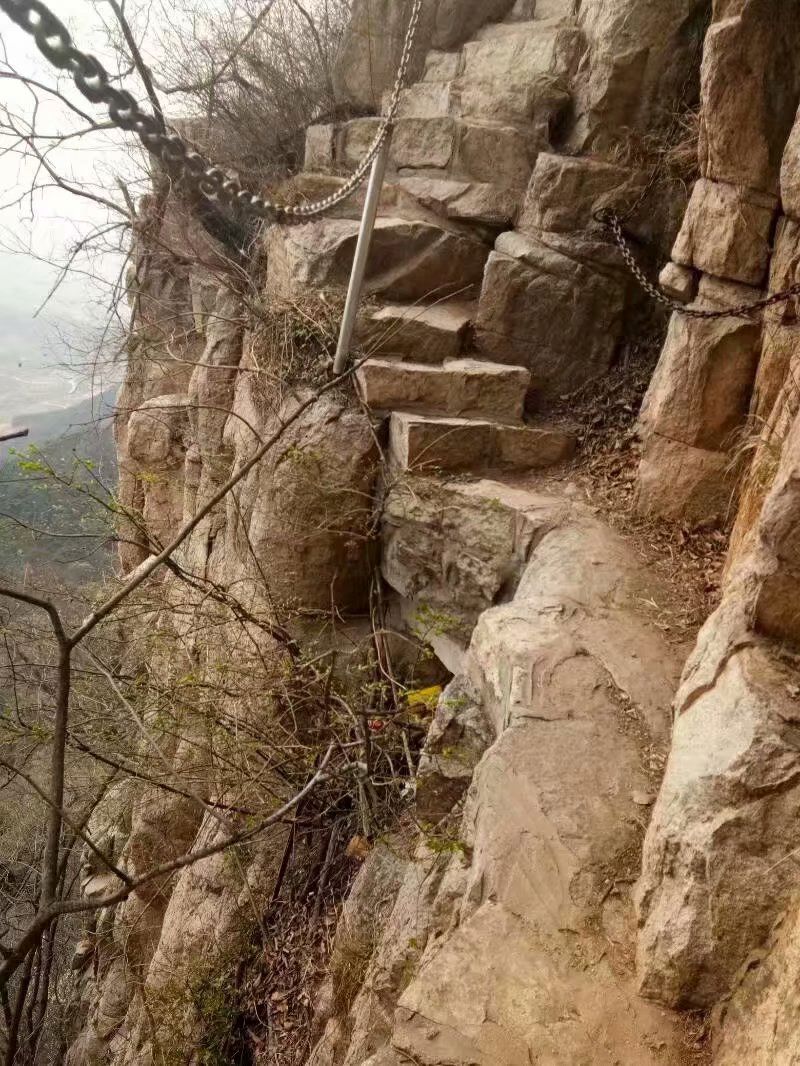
(453, 548)
(717, 869)
(566, 192)
(635, 68)
(697, 402)
(545, 304)
(750, 91)
(700, 392)
(300, 522)
(726, 232)
(409, 260)
(367, 65)
(681, 483)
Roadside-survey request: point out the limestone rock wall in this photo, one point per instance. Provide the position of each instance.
(725, 378)
(534, 115)
(517, 941)
(294, 537)
(719, 891)
(542, 913)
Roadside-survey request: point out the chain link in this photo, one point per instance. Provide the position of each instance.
(181, 162)
(613, 224)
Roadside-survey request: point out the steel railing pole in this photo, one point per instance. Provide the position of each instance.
(362, 255)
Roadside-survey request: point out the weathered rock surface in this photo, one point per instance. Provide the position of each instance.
(420, 443)
(715, 872)
(454, 548)
(777, 605)
(456, 741)
(496, 153)
(678, 282)
(301, 517)
(418, 333)
(565, 192)
(539, 307)
(749, 91)
(522, 53)
(758, 1023)
(726, 232)
(410, 260)
(461, 387)
(790, 173)
(548, 840)
(696, 403)
(700, 392)
(636, 64)
(682, 483)
(364, 72)
(157, 440)
(470, 201)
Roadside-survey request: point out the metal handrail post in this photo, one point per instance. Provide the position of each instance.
(363, 246)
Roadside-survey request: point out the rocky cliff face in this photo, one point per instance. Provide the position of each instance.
(608, 828)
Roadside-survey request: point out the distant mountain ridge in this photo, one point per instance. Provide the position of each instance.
(88, 415)
(78, 445)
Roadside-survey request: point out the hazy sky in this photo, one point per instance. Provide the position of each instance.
(38, 230)
(45, 226)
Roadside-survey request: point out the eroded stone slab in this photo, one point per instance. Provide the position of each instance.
(462, 387)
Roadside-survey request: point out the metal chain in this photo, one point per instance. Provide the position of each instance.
(613, 223)
(182, 163)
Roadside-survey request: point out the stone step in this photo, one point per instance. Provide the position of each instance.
(465, 201)
(529, 27)
(460, 387)
(489, 151)
(554, 9)
(410, 260)
(495, 101)
(485, 152)
(428, 99)
(553, 49)
(442, 66)
(419, 442)
(420, 334)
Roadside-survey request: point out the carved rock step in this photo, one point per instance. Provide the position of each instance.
(477, 151)
(527, 10)
(549, 47)
(420, 334)
(497, 100)
(410, 259)
(485, 151)
(526, 28)
(461, 387)
(465, 201)
(419, 442)
(427, 198)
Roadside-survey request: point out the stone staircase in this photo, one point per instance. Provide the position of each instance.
(457, 413)
(464, 146)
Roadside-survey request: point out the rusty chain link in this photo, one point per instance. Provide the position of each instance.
(182, 163)
(612, 222)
